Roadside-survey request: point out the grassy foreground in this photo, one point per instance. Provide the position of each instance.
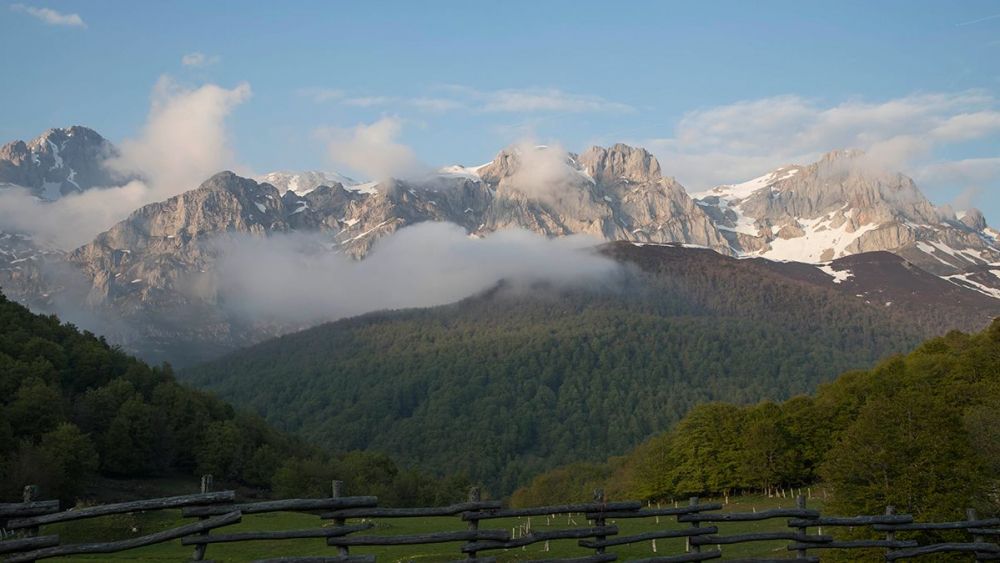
(123, 526)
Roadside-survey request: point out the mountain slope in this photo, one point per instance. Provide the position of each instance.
(507, 384)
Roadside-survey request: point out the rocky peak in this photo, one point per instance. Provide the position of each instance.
(842, 155)
(973, 218)
(620, 162)
(541, 161)
(59, 162)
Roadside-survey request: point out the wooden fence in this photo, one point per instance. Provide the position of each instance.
(349, 520)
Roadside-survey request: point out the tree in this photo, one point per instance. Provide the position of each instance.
(135, 443)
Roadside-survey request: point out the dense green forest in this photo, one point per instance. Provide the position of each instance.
(508, 384)
(920, 432)
(72, 408)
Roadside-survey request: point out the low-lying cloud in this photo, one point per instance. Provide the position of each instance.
(296, 279)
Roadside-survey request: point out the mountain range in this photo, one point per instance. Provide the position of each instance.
(153, 271)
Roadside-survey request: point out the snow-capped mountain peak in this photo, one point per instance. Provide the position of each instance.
(304, 182)
(58, 162)
(846, 204)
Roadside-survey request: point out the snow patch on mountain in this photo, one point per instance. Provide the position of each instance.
(839, 276)
(470, 172)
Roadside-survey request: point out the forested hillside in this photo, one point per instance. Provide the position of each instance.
(920, 432)
(72, 408)
(516, 381)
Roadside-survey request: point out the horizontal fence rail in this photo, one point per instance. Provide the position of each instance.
(21, 525)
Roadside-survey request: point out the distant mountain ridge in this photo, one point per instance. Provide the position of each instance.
(153, 269)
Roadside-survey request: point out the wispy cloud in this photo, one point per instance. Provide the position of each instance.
(368, 101)
(509, 100)
(197, 59)
(548, 99)
(50, 16)
(978, 20)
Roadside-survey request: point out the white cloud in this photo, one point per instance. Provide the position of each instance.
(182, 144)
(745, 139)
(372, 150)
(50, 16)
(197, 59)
(544, 172)
(291, 278)
(184, 140)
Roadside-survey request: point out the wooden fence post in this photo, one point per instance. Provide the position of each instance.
(970, 514)
(600, 521)
(200, 549)
(890, 535)
(800, 503)
(337, 491)
(692, 547)
(475, 495)
(30, 494)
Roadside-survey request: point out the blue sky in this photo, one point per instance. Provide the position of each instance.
(720, 91)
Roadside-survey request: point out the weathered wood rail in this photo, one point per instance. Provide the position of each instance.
(21, 525)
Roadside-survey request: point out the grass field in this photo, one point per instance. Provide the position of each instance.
(123, 526)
